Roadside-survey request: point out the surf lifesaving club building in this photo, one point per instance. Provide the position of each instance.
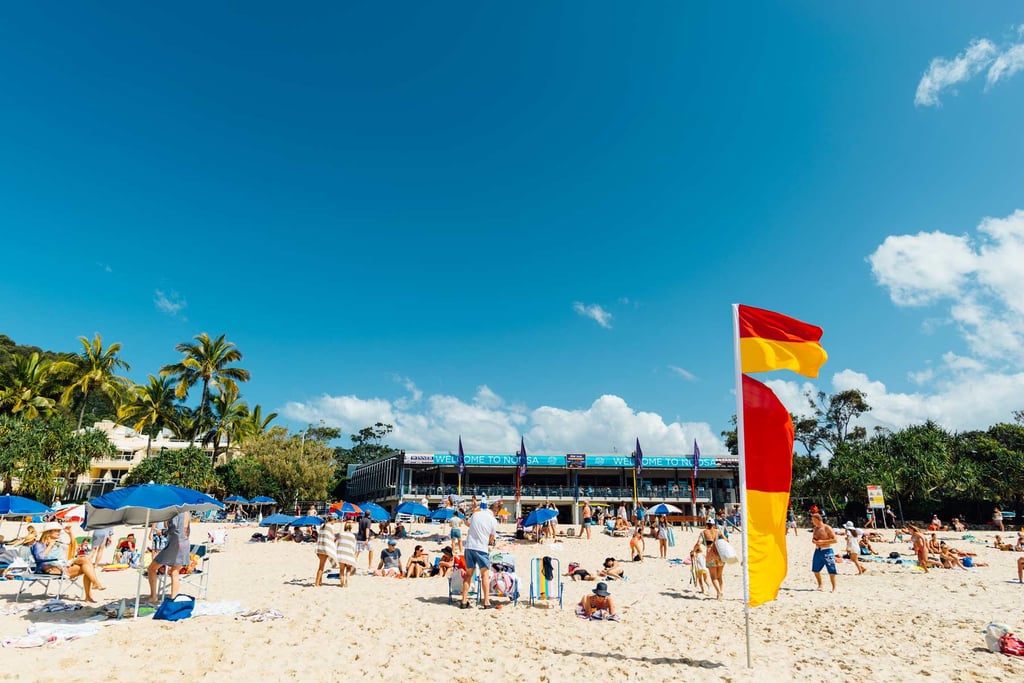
(564, 480)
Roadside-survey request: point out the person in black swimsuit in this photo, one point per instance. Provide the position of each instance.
(578, 573)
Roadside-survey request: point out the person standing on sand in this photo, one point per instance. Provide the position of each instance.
(709, 535)
(364, 540)
(483, 529)
(920, 545)
(588, 519)
(997, 519)
(790, 520)
(174, 556)
(890, 516)
(853, 536)
(824, 557)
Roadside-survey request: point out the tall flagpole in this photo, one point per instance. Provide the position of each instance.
(743, 472)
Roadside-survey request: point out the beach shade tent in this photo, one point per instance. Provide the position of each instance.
(441, 514)
(278, 519)
(263, 500)
(308, 520)
(377, 513)
(16, 505)
(237, 499)
(412, 508)
(539, 516)
(345, 509)
(71, 513)
(664, 509)
(145, 504)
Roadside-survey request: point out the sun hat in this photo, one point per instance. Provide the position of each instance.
(447, 550)
(392, 542)
(601, 589)
(710, 522)
(48, 526)
(848, 525)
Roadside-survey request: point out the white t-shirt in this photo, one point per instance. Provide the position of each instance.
(482, 525)
(853, 541)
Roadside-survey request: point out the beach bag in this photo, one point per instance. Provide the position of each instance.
(176, 608)
(994, 634)
(1011, 646)
(726, 552)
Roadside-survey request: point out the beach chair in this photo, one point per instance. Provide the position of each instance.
(27, 574)
(455, 587)
(217, 539)
(609, 528)
(546, 580)
(199, 577)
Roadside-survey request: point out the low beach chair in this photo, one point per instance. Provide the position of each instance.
(455, 587)
(199, 577)
(546, 580)
(28, 576)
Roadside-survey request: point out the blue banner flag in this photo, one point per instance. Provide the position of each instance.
(461, 462)
(522, 458)
(639, 455)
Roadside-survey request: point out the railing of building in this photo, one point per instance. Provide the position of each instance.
(658, 493)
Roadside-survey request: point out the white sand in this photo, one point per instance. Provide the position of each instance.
(891, 624)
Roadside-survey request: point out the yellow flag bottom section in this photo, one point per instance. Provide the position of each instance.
(763, 355)
(766, 544)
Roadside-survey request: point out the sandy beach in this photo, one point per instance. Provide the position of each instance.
(893, 621)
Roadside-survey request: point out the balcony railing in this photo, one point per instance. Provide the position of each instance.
(612, 493)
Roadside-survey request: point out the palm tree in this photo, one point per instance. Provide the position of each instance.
(152, 409)
(229, 415)
(25, 386)
(94, 370)
(254, 424)
(206, 360)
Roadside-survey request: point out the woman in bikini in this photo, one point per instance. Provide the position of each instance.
(597, 605)
(709, 535)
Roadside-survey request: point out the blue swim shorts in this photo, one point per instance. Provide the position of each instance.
(456, 532)
(477, 558)
(824, 558)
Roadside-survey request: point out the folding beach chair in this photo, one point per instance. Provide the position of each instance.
(455, 587)
(503, 578)
(29, 576)
(199, 577)
(546, 580)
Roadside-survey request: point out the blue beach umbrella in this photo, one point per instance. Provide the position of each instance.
(308, 520)
(539, 516)
(145, 504)
(442, 513)
(377, 513)
(16, 505)
(278, 519)
(412, 508)
(664, 509)
(236, 499)
(263, 500)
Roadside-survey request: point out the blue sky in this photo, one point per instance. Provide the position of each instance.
(486, 221)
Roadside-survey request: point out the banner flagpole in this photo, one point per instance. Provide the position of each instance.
(744, 511)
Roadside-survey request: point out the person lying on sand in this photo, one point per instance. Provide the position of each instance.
(597, 605)
(612, 569)
(578, 573)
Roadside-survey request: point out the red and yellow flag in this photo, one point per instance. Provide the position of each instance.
(772, 341)
(768, 453)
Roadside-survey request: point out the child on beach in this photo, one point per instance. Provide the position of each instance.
(700, 567)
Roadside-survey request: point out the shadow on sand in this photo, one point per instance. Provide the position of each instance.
(672, 661)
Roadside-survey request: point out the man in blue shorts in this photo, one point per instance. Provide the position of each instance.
(482, 530)
(824, 558)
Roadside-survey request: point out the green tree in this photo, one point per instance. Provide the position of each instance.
(47, 454)
(229, 415)
(301, 468)
(368, 445)
(189, 467)
(833, 415)
(94, 371)
(209, 362)
(26, 386)
(254, 424)
(151, 408)
(247, 477)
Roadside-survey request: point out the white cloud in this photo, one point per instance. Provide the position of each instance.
(945, 73)
(490, 425)
(595, 313)
(979, 277)
(171, 304)
(414, 393)
(1006, 65)
(683, 372)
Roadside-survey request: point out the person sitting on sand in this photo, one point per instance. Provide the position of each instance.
(1020, 542)
(598, 605)
(865, 545)
(1000, 545)
(612, 569)
(936, 524)
(621, 524)
(390, 561)
(636, 546)
(933, 544)
(418, 563)
(957, 524)
(446, 563)
(51, 557)
(578, 573)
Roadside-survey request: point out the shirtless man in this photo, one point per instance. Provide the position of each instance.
(824, 557)
(587, 515)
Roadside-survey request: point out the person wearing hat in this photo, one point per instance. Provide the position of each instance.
(390, 561)
(598, 605)
(51, 557)
(853, 535)
(709, 536)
